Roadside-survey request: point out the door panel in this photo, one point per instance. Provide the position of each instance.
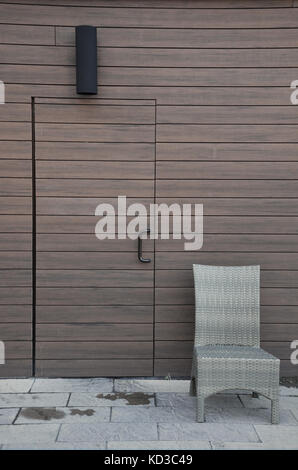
(94, 299)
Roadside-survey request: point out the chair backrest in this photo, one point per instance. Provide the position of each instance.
(227, 305)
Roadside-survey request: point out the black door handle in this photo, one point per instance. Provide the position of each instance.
(140, 247)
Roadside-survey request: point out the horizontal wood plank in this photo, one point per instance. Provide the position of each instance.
(16, 241)
(15, 112)
(185, 296)
(99, 314)
(94, 368)
(91, 188)
(185, 38)
(16, 259)
(15, 187)
(165, 17)
(212, 224)
(231, 242)
(16, 223)
(16, 150)
(15, 168)
(226, 188)
(15, 277)
(226, 133)
(10, 34)
(175, 3)
(184, 349)
(114, 114)
(152, 76)
(227, 152)
(95, 151)
(184, 278)
(186, 313)
(237, 206)
(227, 170)
(16, 368)
(266, 260)
(15, 314)
(177, 95)
(80, 206)
(16, 331)
(15, 205)
(95, 170)
(227, 115)
(94, 349)
(94, 132)
(212, 206)
(185, 331)
(91, 296)
(94, 332)
(18, 350)
(151, 57)
(15, 131)
(93, 278)
(15, 295)
(84, 243)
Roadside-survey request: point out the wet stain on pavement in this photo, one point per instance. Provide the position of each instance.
(45, 414)
(76, 411)
(137, 398)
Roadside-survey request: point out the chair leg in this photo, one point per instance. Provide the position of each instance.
(200, 409)
(192, 387)
(255, 395)
(275, 411)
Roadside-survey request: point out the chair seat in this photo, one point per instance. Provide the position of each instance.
(233, 352)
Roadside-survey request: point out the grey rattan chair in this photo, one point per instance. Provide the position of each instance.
(227, 353)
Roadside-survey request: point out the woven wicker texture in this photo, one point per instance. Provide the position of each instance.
(227, 338)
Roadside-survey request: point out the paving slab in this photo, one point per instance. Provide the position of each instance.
(19, 400)
(136, 385)
(247, 446)
(295, 413)
(152, 414)
(289, 403)
(63, 415)
(107, 432)
(288, 391)
(15, 385)
(56, 446)
(181, 400)
(73, 385)
(278, 436)
(286, 402)
(207, 432)
(158, 445)
(28, 433)
(246, 416)
(7, 415)
(112, 399)
(256, 403)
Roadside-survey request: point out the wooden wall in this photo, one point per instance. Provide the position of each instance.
(226, 135)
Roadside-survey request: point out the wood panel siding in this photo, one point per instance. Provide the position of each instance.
(16, 232)
(159, 17)
(185, 38)
(193, 106)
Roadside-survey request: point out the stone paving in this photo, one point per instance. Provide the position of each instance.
(129, 414)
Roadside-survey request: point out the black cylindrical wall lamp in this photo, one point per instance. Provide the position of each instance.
(86, 60)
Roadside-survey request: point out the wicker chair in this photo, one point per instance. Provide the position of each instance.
(227, 353)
